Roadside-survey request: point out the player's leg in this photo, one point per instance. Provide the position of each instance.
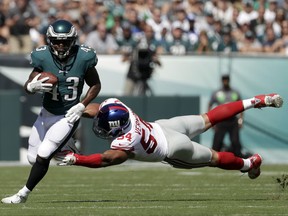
(52, 142)
(228, 161)
(228, 110)
(183, 153)
(190, 125)
(37, 135)
(55, 138)
(35, 139)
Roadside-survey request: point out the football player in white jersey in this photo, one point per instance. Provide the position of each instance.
(168, 140)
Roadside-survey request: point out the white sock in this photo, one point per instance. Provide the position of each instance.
(24, 191)
(247, 103)
(247, 165)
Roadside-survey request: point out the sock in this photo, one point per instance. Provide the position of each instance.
(38, 171)
(249, 103)
(24, 191)
(92, 161)
(225, 111)
(228, 161)
(247, 165)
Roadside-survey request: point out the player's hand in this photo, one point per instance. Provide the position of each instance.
(38, 85)
(68, 160)
(75, 112)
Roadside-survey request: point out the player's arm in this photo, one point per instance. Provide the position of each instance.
(33, 84)
(93, 81)
(91, 110)
(34, 73)
(108, 158)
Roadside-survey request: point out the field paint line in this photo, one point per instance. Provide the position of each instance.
(100, 207)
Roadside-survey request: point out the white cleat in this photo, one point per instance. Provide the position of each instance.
(15, 199)
(268, 100)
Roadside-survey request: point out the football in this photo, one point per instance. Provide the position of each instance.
(53, 79)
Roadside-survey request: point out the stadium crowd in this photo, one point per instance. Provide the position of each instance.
(180, 26)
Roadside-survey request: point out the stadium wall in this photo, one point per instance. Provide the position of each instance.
(183, 76)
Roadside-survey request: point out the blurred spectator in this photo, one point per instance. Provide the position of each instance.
(203, 45)
(33, 16)
(179, 44)
(281, 45)
(215, 34)
(169, 9)
(270, 12)
(195, 7)
(239, 34)
(116, 8)
(131, 16)
(285, 8)
(101, 40)
(51, 17)
(260, 3)
(250, 44)
(204, 22)
(227, 44)
(158, 23)
(280, 17)
(223, 11)
(210, 6)
(3, 16)
(234, 23)
(269, 40)
(181, 19)
(143, 10)
(248, 13)
(20, 20)
(91, 14)
(4, 33)
(144, 59)
(192, 34)
(259, 24)
(126, 42)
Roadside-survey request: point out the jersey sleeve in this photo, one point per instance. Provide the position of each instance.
(121, 145)
(89, 56)
(37, 56)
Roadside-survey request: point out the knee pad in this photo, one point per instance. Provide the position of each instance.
(31, 158)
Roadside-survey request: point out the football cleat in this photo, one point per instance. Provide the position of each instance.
(268, 100)
(15, 199)
(254, 170)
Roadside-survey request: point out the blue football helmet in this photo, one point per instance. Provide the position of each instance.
(111, 121)
(61, 37)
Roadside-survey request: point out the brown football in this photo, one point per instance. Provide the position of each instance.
(53, 79)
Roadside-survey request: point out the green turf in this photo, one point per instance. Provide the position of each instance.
(155, 191)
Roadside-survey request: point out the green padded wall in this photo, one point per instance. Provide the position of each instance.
(10, 115)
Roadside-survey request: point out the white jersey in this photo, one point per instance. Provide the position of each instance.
(145, 140)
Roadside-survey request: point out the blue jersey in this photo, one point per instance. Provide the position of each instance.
(70, 76)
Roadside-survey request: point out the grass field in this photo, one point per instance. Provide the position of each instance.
(142, 190)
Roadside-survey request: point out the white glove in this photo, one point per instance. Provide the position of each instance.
(68, 160)
(75, 112)
(38, 85)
